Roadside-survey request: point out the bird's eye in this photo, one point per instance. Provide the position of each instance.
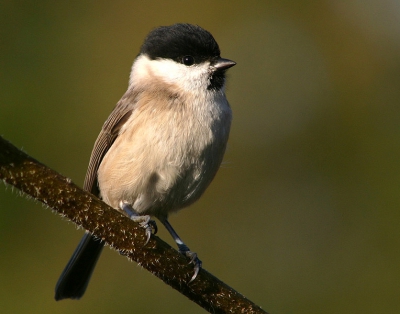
(188, 60)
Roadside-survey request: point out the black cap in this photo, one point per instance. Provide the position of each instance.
(180, 40)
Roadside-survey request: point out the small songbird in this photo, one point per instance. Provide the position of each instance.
(162, 144)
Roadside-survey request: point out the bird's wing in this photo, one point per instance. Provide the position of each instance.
(106, 138)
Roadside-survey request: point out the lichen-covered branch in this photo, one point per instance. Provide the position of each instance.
(62, 195)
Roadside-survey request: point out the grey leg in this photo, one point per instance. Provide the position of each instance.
(143, 220)
(183, 249)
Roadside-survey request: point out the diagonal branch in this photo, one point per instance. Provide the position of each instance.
(89, 212)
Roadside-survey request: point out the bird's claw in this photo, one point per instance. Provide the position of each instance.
(193, 260)
(153, 225)
(144, 221)
(149, 226)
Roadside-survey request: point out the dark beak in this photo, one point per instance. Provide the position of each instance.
(223, 64)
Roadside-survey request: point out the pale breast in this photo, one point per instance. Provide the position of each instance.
(165, 156)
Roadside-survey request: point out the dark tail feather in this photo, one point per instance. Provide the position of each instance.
(76, 275)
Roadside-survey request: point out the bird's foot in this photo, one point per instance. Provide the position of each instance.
(143, 220)
(183, 249)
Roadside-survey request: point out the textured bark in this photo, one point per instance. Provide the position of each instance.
(62, 195)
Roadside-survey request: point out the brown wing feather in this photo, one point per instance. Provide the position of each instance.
(106, 138)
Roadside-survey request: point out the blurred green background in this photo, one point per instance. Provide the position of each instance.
(303, 216)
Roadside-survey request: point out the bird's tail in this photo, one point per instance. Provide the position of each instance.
(76, 275)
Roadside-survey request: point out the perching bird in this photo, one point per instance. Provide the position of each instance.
(162, 144)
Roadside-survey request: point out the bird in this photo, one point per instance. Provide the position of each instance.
(163, 143)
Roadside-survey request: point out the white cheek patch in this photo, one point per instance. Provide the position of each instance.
(139, 70)
(187, 77)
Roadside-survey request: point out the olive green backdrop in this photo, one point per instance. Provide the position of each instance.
(303, 216)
